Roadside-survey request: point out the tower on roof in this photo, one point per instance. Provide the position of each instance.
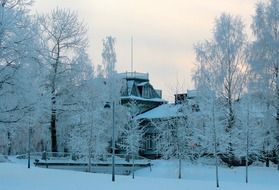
(138, 89)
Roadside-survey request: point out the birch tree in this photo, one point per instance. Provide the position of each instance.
(109, 56)
(175, 139)
(222, 62)
(265, 57)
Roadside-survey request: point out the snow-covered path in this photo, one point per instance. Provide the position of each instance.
(18, 177)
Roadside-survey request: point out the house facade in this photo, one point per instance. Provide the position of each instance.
(162, 114)
(166, 114)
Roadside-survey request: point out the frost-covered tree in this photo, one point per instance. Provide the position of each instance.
(108, 71)
(63, 35)
(19, 92)
(109, 56)
(265, 59)
(90, 134)
(209, 132)
(16, 4)
(74, 80)
(113, 83)
(222, 68)
(175, 138)
(15, 33)
(131, 134)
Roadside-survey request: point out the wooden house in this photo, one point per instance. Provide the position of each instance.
(168, 114)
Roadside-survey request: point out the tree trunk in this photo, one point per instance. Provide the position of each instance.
(179, 170)
(277, 137)
(53, 120)
(247, 156)
(89, 162)
(53, 104)
(133, 167)
(215, 145)
(230, 128)
(267, 162)
(53, 129)
(277, 112)
(9, 143)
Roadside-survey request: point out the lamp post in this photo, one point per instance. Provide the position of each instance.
(90, 140)
(29, 145)
(247, 141)
(113, 139)
(89, 152)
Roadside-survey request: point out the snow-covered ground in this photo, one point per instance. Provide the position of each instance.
(16, 176)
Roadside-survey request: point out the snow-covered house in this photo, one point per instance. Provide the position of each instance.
(152, 109)
(165, 112)
(168, 114)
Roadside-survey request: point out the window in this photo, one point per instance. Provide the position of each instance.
(195, 108)
(148, 142)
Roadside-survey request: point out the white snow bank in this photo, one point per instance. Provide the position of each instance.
(256, 175)
(18, 177)
(3, 158)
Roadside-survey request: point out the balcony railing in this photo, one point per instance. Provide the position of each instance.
(135, 75)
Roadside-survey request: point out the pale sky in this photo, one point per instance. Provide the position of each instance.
(164, 32)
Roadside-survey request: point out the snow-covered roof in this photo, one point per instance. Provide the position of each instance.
(142, 84)
(143, 99)
(192, 93)
(162, 111)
